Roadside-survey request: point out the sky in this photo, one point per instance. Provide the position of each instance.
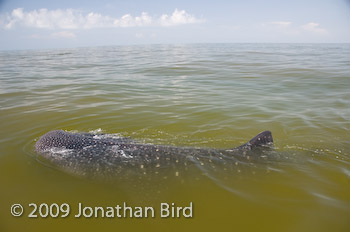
(42, 24)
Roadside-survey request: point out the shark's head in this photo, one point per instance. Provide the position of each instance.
(61, 139)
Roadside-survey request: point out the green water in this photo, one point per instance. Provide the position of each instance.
(209, 95)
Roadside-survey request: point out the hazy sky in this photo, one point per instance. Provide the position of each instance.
(68, 23)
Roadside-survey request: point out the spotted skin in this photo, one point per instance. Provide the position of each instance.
(91, 155)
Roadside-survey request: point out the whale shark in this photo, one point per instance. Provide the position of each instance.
(106, 155)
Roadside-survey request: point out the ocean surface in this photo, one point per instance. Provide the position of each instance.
(200, 95)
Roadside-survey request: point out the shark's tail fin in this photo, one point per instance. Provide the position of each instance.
(263, 139)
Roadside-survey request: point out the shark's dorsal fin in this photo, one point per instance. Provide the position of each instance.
(263, 139)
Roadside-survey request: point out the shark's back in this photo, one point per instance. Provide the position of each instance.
(89, 154)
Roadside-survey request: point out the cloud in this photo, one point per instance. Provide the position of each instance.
(74, 19)
(284, 28)
(63, 34)
(289, 28)
(129, 21)
(314, 27)
(281, 23)
(54, 35)
(177, 18)
(43, 19)
(139, 35)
